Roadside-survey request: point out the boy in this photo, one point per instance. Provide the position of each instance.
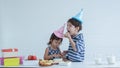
(75, 52)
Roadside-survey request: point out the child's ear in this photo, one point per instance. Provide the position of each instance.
(51, 40)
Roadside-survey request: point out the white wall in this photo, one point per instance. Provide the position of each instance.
(28, 24)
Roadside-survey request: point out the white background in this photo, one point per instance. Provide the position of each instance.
(28, 24)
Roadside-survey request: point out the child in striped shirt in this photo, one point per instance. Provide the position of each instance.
(53, 50)
(75, 52)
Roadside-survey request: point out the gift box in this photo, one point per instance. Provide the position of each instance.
(20, 62)
(11, 61)
(9, 52)
(21, 59)
(0, 61)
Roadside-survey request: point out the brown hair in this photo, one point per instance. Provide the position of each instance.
(76, 23)
(54, 37)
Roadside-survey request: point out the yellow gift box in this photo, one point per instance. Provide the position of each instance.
(11, 61)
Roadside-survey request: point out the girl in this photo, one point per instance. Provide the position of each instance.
(53, 50)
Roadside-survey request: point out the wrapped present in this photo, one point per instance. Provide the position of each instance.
(20, 62)
(9, 52)
(11, 61)
(0, 61)
(21, 59)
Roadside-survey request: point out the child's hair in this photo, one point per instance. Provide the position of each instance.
(54, 37)
(76, 23)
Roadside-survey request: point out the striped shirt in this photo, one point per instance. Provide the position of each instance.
(76, 56)
(53, 51)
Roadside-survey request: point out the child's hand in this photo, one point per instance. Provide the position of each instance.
(56, 55)
(67, 35)
(64, 53)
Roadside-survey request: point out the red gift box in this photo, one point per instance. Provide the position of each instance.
(11, 52)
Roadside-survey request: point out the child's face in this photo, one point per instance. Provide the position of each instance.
(72, 29)
(56, 43)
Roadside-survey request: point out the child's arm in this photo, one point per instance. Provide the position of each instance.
(67, 35)
(46, 56)
(73, 44)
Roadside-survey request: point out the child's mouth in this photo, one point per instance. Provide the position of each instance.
(69, 31)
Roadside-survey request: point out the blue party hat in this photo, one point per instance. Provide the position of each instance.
(79, 16)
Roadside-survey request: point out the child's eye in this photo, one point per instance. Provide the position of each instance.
(70, 25)
(58, 42)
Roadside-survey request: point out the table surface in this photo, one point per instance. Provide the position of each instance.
(72, 65)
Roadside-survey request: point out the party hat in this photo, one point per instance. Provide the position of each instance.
(79, 16)
(59, 32)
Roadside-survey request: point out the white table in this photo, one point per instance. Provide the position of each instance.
(72, 65)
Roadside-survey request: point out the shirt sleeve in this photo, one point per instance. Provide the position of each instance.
(80, 44)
